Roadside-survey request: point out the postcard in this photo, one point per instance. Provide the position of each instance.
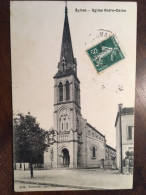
(73, 91)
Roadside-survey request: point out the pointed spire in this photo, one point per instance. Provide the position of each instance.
(67, 64)
(66, 47)
(65, 7)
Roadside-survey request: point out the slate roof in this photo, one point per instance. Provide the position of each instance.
(66, 47)
(95, 130)
(125, 111)
(68, 72)
(110, 147)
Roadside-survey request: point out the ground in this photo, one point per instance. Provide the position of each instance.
(39, 187)
(71, 179)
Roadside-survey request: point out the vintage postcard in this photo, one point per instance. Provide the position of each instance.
(73, 87)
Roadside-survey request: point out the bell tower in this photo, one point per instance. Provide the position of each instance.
(67, 109)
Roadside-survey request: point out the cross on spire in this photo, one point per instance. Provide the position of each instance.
(65, 7)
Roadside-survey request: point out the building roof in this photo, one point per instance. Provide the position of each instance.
(124, 111)
(67, 64)
(110, 147)
(66, 47)
(95, 130)
(68, 72)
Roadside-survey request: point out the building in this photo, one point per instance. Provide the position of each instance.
(110, 157)
(125, 136)
(77, 143)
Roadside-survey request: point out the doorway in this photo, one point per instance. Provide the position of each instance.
(66, 157)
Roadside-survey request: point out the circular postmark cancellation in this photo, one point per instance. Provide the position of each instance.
(106, 53)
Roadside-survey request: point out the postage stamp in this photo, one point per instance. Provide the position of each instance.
(105, 54)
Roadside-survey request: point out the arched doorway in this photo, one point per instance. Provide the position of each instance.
(66, 157)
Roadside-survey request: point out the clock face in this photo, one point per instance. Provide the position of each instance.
(64, 111)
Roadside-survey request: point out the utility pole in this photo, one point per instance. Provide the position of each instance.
(120, 127)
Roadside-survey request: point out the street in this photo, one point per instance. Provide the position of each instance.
(71, 179)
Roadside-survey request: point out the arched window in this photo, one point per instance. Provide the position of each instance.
(64, 122)
(67, 90)
(93, 152)
(60, 92)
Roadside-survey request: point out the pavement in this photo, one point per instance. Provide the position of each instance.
(71, 179)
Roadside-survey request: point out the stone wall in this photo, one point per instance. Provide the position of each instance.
(91, 138)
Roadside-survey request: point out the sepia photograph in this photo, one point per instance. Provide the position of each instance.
(73, 94)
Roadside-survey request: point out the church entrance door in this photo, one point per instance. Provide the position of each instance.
(66, 157)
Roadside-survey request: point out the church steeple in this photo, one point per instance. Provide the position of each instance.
(66, 47)
(67, 63)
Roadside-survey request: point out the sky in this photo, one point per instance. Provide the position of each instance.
(36, 35)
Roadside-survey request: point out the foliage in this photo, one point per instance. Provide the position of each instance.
(129, 153)
(29, 139)
(113, 158)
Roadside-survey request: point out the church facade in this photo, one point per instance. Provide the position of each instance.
(77, 143)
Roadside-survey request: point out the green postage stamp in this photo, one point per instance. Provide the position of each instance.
(105, 54)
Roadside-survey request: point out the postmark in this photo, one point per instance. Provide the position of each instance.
(105, 54)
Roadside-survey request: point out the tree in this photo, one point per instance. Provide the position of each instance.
(129, 154)
(29, 140)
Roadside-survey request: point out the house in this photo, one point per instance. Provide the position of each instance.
(125, 137)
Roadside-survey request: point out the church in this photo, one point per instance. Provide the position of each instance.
(77, 144)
